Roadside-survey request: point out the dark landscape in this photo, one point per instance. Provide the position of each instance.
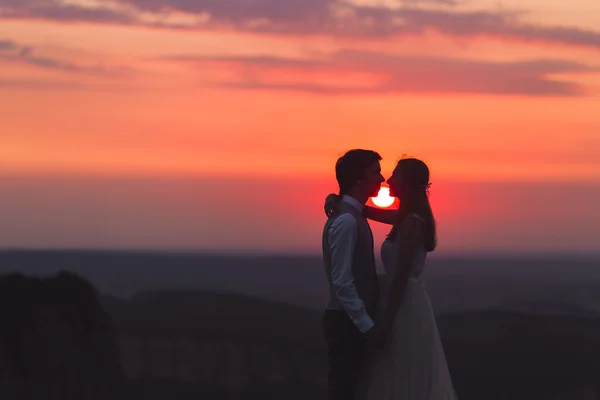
(533, 338)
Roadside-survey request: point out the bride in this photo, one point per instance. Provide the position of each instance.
(412, 365)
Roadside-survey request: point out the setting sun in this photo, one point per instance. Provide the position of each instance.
(383, 198)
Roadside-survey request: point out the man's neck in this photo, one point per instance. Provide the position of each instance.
(360, 197)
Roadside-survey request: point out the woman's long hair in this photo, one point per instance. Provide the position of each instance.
(414, 198)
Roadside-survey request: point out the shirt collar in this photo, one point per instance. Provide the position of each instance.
(353, 202)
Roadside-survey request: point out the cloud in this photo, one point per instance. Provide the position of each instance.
(36, 84)
(7, 45)
(78, 13)
(243, 10)
(13, 52)
(504, 25)
(57, 10)
(442, 2)
(396, 74)
(52, 85)
(339, 18)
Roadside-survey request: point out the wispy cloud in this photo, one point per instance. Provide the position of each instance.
(304, 17)
(13, 52)
(78, 13)
(7, 45)
(397, 74)
(38, 84)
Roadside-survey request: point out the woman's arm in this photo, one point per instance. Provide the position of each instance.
(384, 216)
(332, 208)
(332, 205)
(410, 238)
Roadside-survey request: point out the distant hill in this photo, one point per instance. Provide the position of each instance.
(184, 341)
(492, 354)
(56, 341)
(235, 325)
(204, 314)
(495, 353)
(454, 283)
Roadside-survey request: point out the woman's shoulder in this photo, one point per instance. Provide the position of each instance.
(413, 225)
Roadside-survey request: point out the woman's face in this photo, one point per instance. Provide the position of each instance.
(395, 183)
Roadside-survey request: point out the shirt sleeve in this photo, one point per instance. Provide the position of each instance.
(342, 241)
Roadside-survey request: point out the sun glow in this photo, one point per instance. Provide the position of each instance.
(383, 198)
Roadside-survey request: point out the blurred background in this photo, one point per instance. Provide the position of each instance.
(176, 155)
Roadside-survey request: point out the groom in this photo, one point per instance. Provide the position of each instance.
(349, 260)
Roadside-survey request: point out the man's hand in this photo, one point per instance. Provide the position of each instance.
(376, 337)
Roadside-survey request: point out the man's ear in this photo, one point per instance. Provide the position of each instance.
(361, 181)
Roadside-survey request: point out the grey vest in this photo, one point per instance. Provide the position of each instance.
(363, 262)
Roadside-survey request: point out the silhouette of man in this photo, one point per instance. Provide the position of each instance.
(349, 261)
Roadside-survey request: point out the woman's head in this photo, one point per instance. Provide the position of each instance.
(410, 184)
(410, 176)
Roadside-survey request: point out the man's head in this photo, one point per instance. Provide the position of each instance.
(358, 173)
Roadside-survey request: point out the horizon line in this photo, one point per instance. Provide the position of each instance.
(260, 253)
(150, 175)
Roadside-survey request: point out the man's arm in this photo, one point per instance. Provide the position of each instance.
(342, 241)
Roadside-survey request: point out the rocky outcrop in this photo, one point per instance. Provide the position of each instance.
(56, 341)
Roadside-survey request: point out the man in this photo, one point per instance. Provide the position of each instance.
(350, 267)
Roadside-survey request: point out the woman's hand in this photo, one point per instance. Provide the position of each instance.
(332, 205)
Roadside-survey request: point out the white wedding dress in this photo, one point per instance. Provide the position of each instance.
(412, 365)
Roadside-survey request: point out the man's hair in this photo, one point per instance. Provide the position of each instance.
(352, 166)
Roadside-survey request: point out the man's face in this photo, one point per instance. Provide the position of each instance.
(373, 179)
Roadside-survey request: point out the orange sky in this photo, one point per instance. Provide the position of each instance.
(260, 90)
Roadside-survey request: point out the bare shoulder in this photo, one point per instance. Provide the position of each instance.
(412, 230)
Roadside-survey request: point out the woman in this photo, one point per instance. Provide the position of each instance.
(412, 366)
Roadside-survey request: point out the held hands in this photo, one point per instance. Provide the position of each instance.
(332, 205)
(376, 337)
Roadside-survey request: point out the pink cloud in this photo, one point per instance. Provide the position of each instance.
(12, 51)
(397, 74)
(311, 17)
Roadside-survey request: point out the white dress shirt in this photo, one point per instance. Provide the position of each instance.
(343, 234)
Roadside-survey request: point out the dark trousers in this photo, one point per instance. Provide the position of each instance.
(346, 350)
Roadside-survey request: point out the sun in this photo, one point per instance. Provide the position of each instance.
(383, 198)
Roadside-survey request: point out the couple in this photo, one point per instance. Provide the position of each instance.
(392, 319)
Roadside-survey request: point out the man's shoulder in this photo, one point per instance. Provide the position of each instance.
(349, 208)
(341, 222)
